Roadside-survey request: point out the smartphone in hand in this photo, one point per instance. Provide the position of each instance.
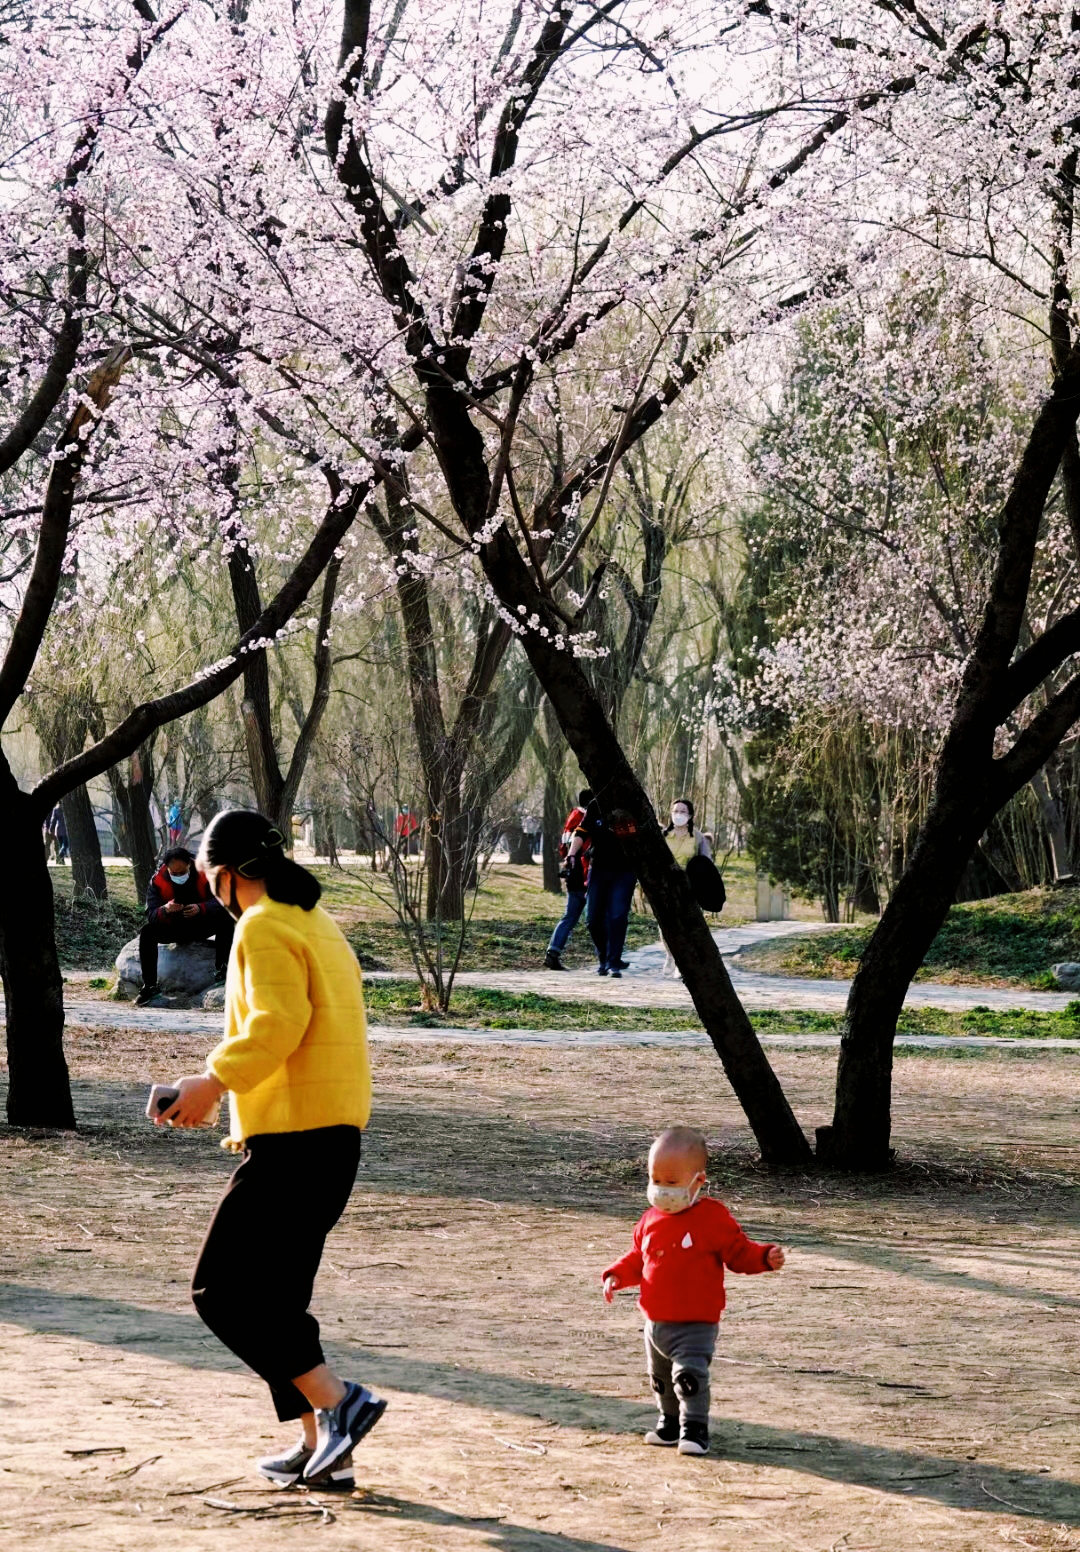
(162, 1096)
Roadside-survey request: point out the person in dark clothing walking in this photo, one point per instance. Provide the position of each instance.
(180, 908)
(612, 881)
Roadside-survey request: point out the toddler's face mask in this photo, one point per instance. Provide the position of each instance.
(680, 816)
(675, 1199)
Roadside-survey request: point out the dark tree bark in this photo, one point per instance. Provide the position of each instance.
(87, 868)
(519, 846)
(39, 1091)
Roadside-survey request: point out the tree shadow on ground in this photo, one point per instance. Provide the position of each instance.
(180, 1338)
(590, 1164)
(502, 1536)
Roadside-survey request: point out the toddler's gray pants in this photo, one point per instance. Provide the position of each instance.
(678, 1354)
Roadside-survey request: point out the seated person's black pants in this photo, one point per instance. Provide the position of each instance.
(253, 1280)
(215, 923)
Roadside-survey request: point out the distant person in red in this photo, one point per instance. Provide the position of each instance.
(180, 908)
(407, 831)
(575, 870)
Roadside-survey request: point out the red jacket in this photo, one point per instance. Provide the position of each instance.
(573, 819)
(161, 890)
(679, 1260)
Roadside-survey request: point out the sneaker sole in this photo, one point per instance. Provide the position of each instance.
(350, 1441)
(691, 1447)
(654, 1438)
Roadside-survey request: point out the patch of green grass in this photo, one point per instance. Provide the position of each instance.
(490, 944)
(90, 934)
(1007, 940)
(475, 1007)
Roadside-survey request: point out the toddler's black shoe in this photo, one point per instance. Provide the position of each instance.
(147, 994)
(694, 1439)
(665, 1432)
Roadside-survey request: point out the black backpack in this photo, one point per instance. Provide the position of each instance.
(706, 884)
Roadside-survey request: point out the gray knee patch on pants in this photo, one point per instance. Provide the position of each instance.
(686, 1383)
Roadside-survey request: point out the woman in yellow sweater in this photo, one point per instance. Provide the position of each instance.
(295, 1065)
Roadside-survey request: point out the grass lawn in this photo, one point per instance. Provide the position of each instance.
(474, 1007)
(509, 930)
(1010, 940)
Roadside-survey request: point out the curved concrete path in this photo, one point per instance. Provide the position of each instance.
(641, 985)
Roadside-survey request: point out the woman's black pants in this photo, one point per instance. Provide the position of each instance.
(256, 1270)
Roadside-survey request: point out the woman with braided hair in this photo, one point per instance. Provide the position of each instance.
(294, 1063)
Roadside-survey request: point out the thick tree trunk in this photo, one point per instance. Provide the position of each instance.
(39, 1089)
(87, 868)
(859, 1137)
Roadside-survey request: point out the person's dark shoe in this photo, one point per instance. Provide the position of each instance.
(666, 1431)
(694, 1439)
(288, 1469)
(623, 964)
(339, 1429)
(147, 994)
(553, 962)
(616, 973)
(601, 969)
(219, 977)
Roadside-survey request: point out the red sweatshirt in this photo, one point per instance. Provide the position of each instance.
(679, 1260)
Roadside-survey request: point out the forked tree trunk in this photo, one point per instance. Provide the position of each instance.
(39, 1088)
(87, 868)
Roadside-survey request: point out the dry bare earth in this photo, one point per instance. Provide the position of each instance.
(909, 1380)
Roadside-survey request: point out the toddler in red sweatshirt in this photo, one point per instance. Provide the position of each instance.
(681, 1247)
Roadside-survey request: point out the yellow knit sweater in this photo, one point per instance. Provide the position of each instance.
(294, 1055)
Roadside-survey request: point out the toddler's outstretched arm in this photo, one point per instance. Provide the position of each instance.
(625, 1272)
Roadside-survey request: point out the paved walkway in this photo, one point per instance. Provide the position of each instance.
(641, 986)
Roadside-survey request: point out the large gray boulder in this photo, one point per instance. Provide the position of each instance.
(1067, 975)
(184, 969)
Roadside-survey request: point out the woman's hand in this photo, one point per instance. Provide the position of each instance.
(610, 1285)
(198, 1097)
(775, 1258)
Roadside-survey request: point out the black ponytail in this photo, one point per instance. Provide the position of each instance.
(247, 842)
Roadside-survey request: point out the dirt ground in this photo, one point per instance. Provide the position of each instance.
(909, 1380)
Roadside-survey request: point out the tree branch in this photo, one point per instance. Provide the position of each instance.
(70, 454)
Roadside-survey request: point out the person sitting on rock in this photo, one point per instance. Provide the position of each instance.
(181, 908)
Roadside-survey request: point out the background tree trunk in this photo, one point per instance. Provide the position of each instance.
(556, 802)
(519, 845)
(87, 868)
(39, 1088)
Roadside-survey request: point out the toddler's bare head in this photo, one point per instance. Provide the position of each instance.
(678, 1161)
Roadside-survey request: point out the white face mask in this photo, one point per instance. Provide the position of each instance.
(179, 878)
(680, 816)
(674, 1199)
